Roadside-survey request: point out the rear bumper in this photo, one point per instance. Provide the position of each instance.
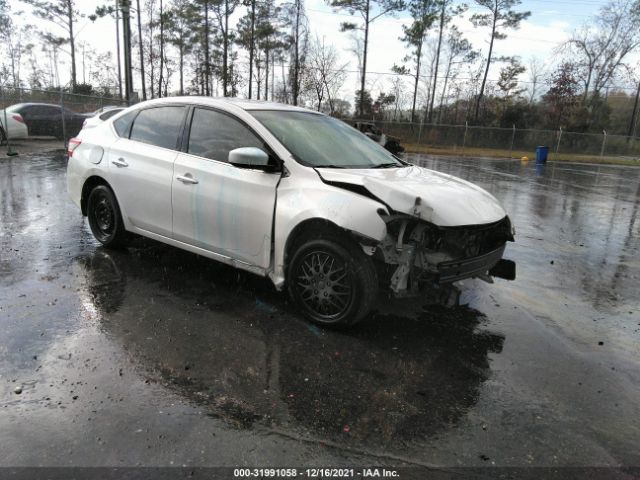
(488, 264)
(75, 181)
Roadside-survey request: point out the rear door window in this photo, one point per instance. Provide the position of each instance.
(159, 126)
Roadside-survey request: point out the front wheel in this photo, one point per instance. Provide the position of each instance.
(332, 281)
(105, 219)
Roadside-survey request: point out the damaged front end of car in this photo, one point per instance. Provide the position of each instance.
(417, 256)
(439, 229)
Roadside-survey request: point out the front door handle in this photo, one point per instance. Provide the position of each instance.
(120, 163)
(187, 178)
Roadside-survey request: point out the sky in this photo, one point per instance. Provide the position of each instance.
(551, 23)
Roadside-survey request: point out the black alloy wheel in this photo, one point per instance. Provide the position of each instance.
(332, 281)
(324, 284)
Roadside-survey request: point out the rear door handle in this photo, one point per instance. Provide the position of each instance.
(187, 179)
(120, 163)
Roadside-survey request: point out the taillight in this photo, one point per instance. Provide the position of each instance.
(73, 144)
(18, 118)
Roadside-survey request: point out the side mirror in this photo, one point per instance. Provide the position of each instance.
(248, 157)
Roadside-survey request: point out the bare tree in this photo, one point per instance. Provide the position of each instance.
(458, 51)
(299, 41)
(102, 71)
(13, 38)
(424, 94)
(325, 74)
(152, 56)
(600, 48)
(447, 13)
(63, 14)
(112, 11)
(537, 71)
(500, 17)
(369, 10)
(161, 19)
(356, 48)
(399, 93)
(636, 105)
(423, 14)
(141, 51)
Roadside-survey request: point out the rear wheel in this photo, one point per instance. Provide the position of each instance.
(3, 136)
(105, 219)
(332, 281)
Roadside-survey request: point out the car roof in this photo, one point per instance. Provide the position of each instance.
(225, 101)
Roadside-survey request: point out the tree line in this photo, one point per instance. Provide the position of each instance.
(266, 49)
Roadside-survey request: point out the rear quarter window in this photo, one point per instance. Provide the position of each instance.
(108, 114)
(122, 125)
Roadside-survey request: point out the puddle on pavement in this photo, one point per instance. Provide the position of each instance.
(227, 341)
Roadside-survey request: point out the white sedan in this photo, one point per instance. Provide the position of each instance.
(11, 123)
(287, 193)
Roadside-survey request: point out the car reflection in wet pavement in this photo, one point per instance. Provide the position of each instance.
(155, 356)
(392, 380)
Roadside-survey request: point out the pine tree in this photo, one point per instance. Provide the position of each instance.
(369, 10)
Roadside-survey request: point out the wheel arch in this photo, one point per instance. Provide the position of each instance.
(89, 184)
(350, 243)
(320, 225)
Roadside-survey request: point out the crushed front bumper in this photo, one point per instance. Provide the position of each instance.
(490, 263)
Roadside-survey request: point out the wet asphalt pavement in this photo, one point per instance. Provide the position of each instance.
(155, 356)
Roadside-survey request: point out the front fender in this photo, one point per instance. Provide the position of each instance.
(298, 203)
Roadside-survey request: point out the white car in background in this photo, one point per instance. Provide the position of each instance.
(287, 193)
(101, 116)
(13, 124)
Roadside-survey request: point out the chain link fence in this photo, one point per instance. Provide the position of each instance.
(58, 116)
(511, 142)
(465, 140)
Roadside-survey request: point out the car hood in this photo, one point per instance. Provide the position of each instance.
(436, 197)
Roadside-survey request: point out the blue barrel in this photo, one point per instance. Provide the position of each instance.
(542, 153)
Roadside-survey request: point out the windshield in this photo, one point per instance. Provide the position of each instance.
(320, 141)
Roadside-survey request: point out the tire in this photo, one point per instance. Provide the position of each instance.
(105, 219)
(352, 286)
(3, 137)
